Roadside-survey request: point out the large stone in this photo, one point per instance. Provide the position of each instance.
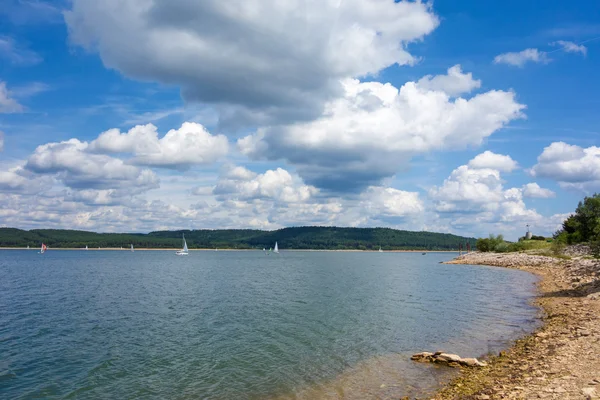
(472, 362)
(589, 393)
(449, 357)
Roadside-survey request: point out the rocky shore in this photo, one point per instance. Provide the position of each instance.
(559, 361)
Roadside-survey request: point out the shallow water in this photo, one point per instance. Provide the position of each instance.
(243, 325)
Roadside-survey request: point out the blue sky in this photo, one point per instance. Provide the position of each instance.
(467, 117)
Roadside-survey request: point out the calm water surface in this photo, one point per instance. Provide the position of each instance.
(243, 325)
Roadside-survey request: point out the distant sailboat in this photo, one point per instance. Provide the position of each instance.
(132, 248)
(43, 249)
(276, 249)
(381, 251)
(27, 247)
(86, 247)
(183, 252)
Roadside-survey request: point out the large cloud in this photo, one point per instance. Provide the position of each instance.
(571, 166)
(179, 148)
(454, 83)
(371, 131)
(241, 184)
(283, 57)
(534, 190)
(488, 159)
(71, 163)
(473, 198)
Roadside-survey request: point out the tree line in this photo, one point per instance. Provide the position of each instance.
(308, 237)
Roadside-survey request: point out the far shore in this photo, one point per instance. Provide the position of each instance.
(559, 360)
(224, 249)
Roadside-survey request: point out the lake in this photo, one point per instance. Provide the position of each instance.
(244, 325)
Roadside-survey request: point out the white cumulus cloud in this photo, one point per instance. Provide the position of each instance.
(373, 129)
(454, 83)
(487, 159)
(523, 57)
(179, 148)
(572, 166)
(535, 191)
(70, 162)
(389, 202)
(242, 184)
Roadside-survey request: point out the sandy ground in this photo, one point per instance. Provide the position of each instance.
(559, 361)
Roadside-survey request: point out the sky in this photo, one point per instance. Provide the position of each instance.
(467, 117)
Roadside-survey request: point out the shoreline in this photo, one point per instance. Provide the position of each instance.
(560, 359)
(225, 249)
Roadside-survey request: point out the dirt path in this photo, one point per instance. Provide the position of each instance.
(559, 361)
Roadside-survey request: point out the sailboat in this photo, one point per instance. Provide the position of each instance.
(276, 249)
(86, 247)
(27, 247)
(184, 251)
(43, 249)
(381, 251)
(132, 247)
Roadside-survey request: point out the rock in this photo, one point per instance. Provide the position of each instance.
(472, 362)
(483, 397)
(421, 356)
(449, 357)
(589, 393)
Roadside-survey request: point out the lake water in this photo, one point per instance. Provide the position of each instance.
(244, 325)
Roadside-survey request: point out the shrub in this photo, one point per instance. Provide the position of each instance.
(503, 247)
(483, 245)
(595, 247)
(559, 243)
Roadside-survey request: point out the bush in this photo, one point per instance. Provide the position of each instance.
(595, 247)
(559, 243)
(538, 238)
(483, 245)
(503, 247)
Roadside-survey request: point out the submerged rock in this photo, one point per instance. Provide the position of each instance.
(452, 360)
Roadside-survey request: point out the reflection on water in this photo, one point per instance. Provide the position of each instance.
(235, 325)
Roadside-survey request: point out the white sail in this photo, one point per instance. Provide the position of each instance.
(276, 249)
(132, 248)
(27, 247)
(183, 252)
(381, 251)
(86, 247)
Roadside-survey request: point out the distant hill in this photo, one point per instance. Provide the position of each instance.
(307, 237)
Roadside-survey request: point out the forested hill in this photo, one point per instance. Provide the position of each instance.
(326, 238)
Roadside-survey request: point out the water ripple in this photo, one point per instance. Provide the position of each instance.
(240, 325)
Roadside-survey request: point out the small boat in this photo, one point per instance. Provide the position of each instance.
(184, 251)
(132, 248)
(276, 249)
(424, 253)
(86, 247)
(43, 249)
(27, 247)
(381, 251)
